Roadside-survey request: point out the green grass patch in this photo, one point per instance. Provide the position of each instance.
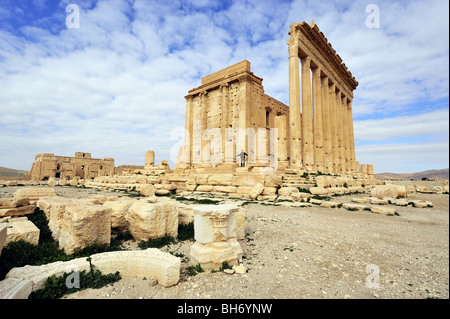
(194, 270)
(303, 190)
(157, 242)
(186, 232)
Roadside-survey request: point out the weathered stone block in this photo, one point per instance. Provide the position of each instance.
(34, 193)
(220, 179)
(256, 190)
(22, 230)
(148, 220)
(147, 190)
(382, 210)
(287, 191)
(15, 288)
(119, 211)
(18, 211)
(318, 191)
(13, 202)
(382, 191)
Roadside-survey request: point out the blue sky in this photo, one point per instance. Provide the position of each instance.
(115, 86)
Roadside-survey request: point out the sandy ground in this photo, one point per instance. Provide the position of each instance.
(315, 252)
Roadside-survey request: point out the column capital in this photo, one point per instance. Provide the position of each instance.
(332, 87)
(203, 93)
(224, 85)
(243, 78)
(306, 62)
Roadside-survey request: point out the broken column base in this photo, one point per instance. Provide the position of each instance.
(211, 256)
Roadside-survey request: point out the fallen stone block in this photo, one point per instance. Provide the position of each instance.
(17, 211)
(360, 200)
(148, 220)
(101, 199)
(376, 201)
(119, 211)
(148, 263)
(419, 204)
(329, 204)
(383, 191)
(256, 191)
(35, 193)
(353, 207)
(315, 201)
(401, 202)
(13, 202)
(318, 191)
(287, 191)
(382, 210)
(22, 230)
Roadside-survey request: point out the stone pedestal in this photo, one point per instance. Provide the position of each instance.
(215, 235)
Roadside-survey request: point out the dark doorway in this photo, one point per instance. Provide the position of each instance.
(57, 175)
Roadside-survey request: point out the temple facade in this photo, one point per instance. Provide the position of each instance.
(229, 113)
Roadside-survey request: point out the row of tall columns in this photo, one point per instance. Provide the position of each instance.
(321, 134)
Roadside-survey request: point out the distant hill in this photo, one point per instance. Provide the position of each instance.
(9, 172)
(430, 174)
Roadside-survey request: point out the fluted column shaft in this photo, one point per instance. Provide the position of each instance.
(318, 120)
(295, 125)
(328, 155)
(307, 119)
(334, 128)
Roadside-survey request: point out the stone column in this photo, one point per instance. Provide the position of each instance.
(280, 122)
(318, 124)
(243, 117)
(370, 169)
(224, 122)
(351, 138)
(149, 158)
(206, 150)
(188, 133)
(295, 125)
(339, 132)
(334, 132)
(364, 169)
(328, 155)
(345, 143)
(307, 119)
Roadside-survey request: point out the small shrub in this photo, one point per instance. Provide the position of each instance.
(156, 242)
(225, 265)
(352, 209)
(303, 190)
(186, 232)
(194, 270)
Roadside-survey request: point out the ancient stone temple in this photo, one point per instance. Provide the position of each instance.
(229, 113)
(83, 166)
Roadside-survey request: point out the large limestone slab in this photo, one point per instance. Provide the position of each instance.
(21, 229)
(17, 211)
(383, 210)
(35, 193)
(149, 263)
(83, 226)
(13, 202)
(119, 211)
(152, 220)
